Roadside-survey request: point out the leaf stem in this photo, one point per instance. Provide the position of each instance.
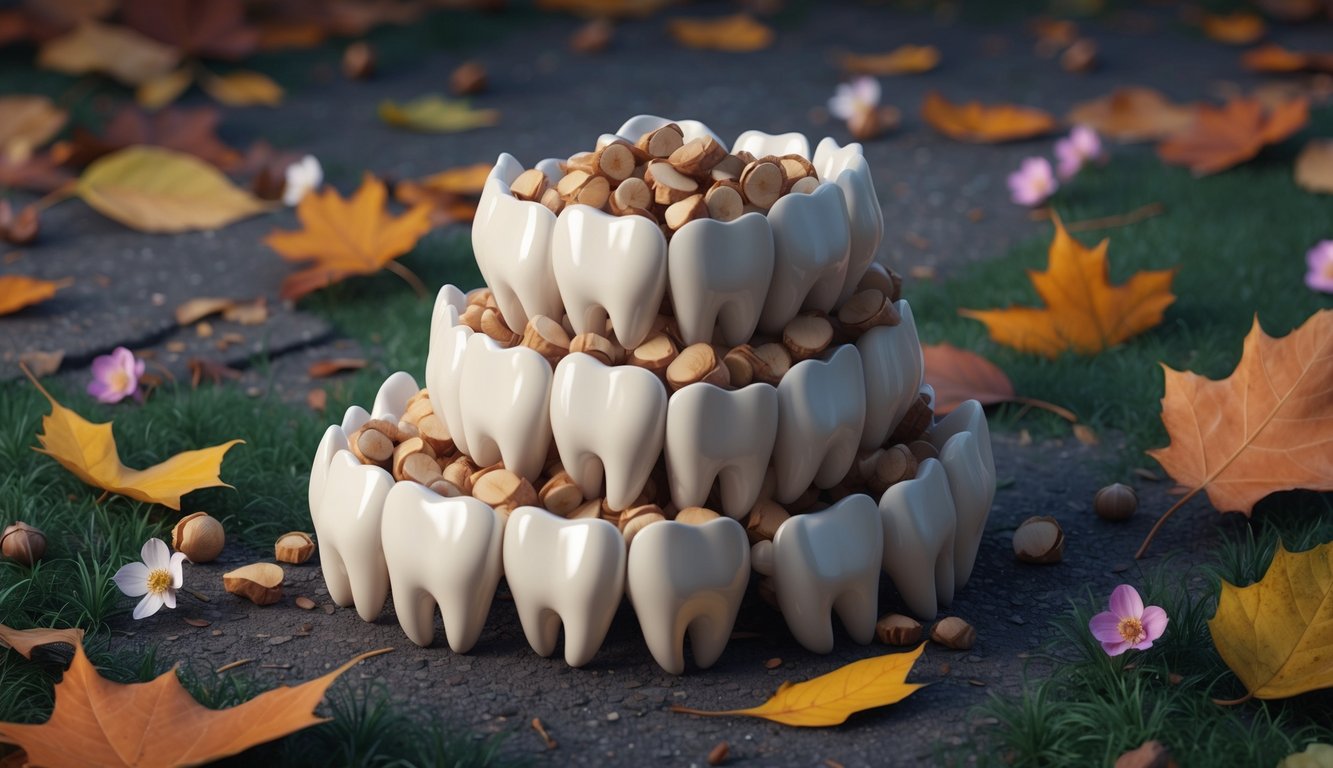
(409, 277)
(1234, 702)
(1120, 220)
(1157, 525)
(58, 195)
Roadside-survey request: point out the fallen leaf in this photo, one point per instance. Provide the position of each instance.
(88, 450)
(976, 122)
(1085, 434)
(50, 17)
(253, 312)
(1313, 756)
(29, 120)
(100, 722)
(21, 168)
(323, 368)
(194, 310)
(160, 91)
(1131, 114)
(436, 114)
(1274, 633)
(463, 180)
(121, 53)
(24, 640)
(903, 60)
(958, 375)
(1314, 167)
(277, 35)
(1221, 138)
(445, 207)
(1272, 59)
(212, 28)
(739, 33)
(593, 37)
(1240, 28)
(317, 399)
(1080, 57)
(18, 291)
(1083, 312)
(193, 131)
(354, 18)
(42, 363)
(605, 8)
(830, 699)
(159, 190)
(1053, 34)
(213, 371)
(243, 88)
(346, 237)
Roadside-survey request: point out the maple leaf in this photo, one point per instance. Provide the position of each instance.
(984, 123)
(214, 28)
(192, 131)
(346, 237)
(830, 699)
(1267, 427)
(88, 450)
(1084, 313)
(98, 722)
(903, 60)
(1221, 138)
(1277, 634)
(25, 640)
(739, 33)
(1131, 113)
(18, 291)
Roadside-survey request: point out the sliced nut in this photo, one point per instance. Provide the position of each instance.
(260, 583)
(724, 201)
(446, 489)
(1116, 502)
(615, 161)
(471, 316)
(433, 430)
(530, 185)
(663, 141)
(681, 213)
(1039, 539)
(761, 183)
(697, 363)
(371, 446)
(588, 509)
(953, 632)
(894, 465)
(459, 474)
(697, 157)
(606, 351)
(764, 520)
(728, 169)
(631, 196)
(867, 309)
(804, 186)
(560, 495)
(493, 325)
(293, 547)
(770, 363)
(23, 544)
(739, 367)
(807, 336)
(897, 629)
(406, 452)
(553, 201)
(923, 449)
(696, 516)
(547, 337)
(199, 536)
(669, 185)
(655, 354)
(914, 423)
(503, 488)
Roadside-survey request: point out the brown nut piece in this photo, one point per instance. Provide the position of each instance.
(560, 495)
(764, 520)
(23, 544)
(696, 516)
(199, 536)
(1039, 539)
(953, 632)
(1116, 502)
(294, 547)
(897, 629)
(503, 488)
(260, 583)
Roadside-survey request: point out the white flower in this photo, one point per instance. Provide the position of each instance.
(157, 578)
(302, 177)
(855, 98)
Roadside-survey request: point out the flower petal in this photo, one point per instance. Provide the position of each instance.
(155, 554)
(132, 579)
(148, 606)
(177, 573)
(1103, 626)
(1126, 603)
(1115, 649)
(1154, 622)
(169, 598)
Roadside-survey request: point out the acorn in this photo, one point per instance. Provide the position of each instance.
(199, 536)
(23, 544)
(1116, 502)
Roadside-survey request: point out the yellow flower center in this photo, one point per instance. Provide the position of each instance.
(1131, 630)
(159, 580)
(120, 380)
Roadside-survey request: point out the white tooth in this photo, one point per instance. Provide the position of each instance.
(505, 395)
(893, 370)
(569, 572)
(718, 435)
(444, 361)
(963, 440)
(441, 551)
(811, 242)
(334, 440)
(391, 400)
(348, 531)
(821, 410)
(829, 560)
(607, 420)
(919, 539)
(688, 578)
(511, 239)
(760, 144)
(353, 418)
(719, 273)
(847, 167)
(638, 125)
(609, 266)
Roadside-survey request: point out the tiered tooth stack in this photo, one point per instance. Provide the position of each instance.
(686, 367)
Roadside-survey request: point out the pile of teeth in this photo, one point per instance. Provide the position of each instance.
(550, 448)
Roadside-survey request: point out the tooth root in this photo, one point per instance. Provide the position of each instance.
(444, 551)
(963, 440)
(588, 398)
(727, 436)
(719, 274)
(569, 572)
(847, 167)
(511, 239)
(444, 361)
(609, 266)
(821, 411)
(391, 400)
(506, 395)
(811, 244)
(687, 578)
(760, 144)
(919, 539)
(825, 561)
(348, 532)
(894, 368)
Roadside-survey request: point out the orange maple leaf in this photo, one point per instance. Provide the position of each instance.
(735, 34)
(1267, 427)
(903, 60)
(985, 123)
(1222, 138)
(1084, 312)
(18, 291)
(346, 237)
(1133, 113)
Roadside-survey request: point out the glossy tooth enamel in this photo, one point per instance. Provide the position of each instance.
(811, 243)
(444, 360)
(848, 168)
(506, 413)
(821, 411)
(893, 364)
(919, 539)
(760, 144)
(638, 125)
(727, 436)
(391, 399)
(963, 440)
(512, 242)
(719, 274)
(348, 531)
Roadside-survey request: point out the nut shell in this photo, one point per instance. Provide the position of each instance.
(294, 547)
(953, 632)
(23, 544)
(1116, 502)
(897, 629)
(1040, 540)
(260, 583)
(199, 536)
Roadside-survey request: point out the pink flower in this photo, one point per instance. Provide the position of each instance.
(1033, 183)
(1080, 147)
(1320, 261)
(115, 376)
(1128, 624)
(855, 98)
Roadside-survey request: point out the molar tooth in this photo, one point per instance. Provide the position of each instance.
(609, 266)
(821, 411)
(760, 144)
(444, 360)
(569, 572)
(348, 531)
(506, 415)
(638, 125)
(847, 167)
(811, 244)
(963, 440)
(688, 578)
(825, 561)
(444, 551)
(511, 239)
(719, 274)
(391, 400)
(607, 420)
(719, 435)
(919, 539)
(893, 372)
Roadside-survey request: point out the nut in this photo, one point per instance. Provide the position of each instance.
(718, 754)
(696, 516)
(199, 536)
(897, 629)
(1116, 502)
(23, 544)
(294, 547)
(358, 61)
(953, 632)
(1039, 539)
(260, 583)
(764, 520)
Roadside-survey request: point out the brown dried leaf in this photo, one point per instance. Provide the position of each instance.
(43, 364)
(903, 60)
(192, 131)
(29, 121)
(210, 28)
(1131, 114)
(958, 375)
(212, 371)
(18, 291)
(1240, 28)
(975, 122)
(324, 368)
(1221, 138)
(119, 52)
(739, 33)
(243, 88)
(194, 310)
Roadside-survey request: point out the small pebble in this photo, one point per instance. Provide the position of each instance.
(773, 663)
(613, 716)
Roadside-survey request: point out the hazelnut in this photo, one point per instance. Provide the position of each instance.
(294, 547)
(1116, 502)
(1039, 539)
(897, 629)
(260, 583)
(23, 544)
(953, 632)
(199, 536)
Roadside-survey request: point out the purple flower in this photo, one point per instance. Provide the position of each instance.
(855, 98)
(1033, 183)
(1083, 145)
(1320, 261)
(1128, 624)
(115, 376)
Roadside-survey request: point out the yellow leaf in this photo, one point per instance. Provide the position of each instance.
(1084, 312)
(120, 52)
(98, 722)
(463, 180)
(830, 699)
(984, 123)
(163, 89)
(153, 189)
(605, 8)
(1241, 28)
(89, 451)
(1314, 756)
(243, 88)
(18, 291)
(28, 121)
(1277, 634)
(435, 114)
(903, 60)
(735, 34)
